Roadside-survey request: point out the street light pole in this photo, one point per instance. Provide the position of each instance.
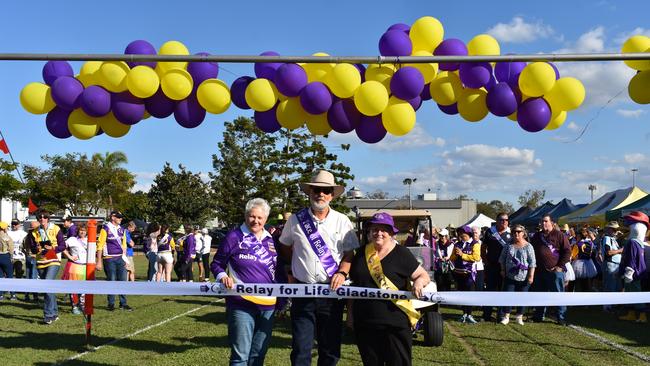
(634, 177)
(592, 188)
(408, 182)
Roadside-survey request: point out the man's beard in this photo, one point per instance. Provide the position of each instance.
(317, 206)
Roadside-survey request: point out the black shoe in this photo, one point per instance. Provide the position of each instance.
(126, 308)
(537, 320)
(111, 307)
(562, 323)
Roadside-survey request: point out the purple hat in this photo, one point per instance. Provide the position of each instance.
(464, 229)
(382, 218)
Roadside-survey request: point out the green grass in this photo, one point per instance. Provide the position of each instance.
(200, 337)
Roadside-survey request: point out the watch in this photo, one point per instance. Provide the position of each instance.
(345, 274)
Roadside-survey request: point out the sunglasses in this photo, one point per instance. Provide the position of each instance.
(502, 220)
(518, 231)
(43, 217)
(325, 190)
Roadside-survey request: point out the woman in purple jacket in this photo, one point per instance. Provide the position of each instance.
(247, 255)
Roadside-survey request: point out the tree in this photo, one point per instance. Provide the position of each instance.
(181, 197)
(493, 208)
(532, 198)
(137, 206)
(378, 194)
(9, 185)
(109, 163)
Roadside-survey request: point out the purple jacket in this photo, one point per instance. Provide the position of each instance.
(247, 260)
(189, 248)
(634, 257)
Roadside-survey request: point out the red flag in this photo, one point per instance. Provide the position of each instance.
(31, 207)
(3, 146)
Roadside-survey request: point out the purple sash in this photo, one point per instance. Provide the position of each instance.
(554, 251)
(518, 265)
(318, 244)
(257, 248)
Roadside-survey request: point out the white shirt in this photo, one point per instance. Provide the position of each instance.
(77, 247)
(18, 236)
(337, 232)
(200, 244)
(207, 241)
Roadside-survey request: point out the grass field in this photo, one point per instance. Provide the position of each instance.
(192, 331)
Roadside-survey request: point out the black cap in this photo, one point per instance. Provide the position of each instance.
(117, 214)
(15, 222)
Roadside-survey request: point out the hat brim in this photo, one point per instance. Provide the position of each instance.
(338, 190)
(395, 230)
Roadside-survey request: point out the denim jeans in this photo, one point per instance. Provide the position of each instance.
(31, 273)
(321, 317)
(611, 280)
(50, 310)
(151, 270)
(549, 282)
(115, 270)
(6, 268)
(510, 285)
(249, 332)
(493, 282)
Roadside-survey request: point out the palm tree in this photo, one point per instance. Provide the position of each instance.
(110, 161)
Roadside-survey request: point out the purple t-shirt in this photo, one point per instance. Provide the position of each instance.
(247, 260)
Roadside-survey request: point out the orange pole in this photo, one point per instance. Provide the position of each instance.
(90, 274)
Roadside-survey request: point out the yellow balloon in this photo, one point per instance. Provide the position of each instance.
(261, 95)
(146, 114)
(88, 75)
(637, 44)
(446, 88)
(639, 87)
(344, 80)
(177, 84)
(537, 79)
(214, 96)
(317, 71)
(429, 71)
(290, 114)
(142, 81)
(36, 98)
(112, 76)
(399, 117)
(483, 44)
(86, 80)
(381, 73)
(318, 124)
(567, 94)
(557, 120)
(111, 126)
(426, 34)
(81, 125)
(371, 98)
(513, 117)
(172, 48)
(471, 105)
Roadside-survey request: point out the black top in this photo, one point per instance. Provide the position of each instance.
(398, 266)
(492, 247)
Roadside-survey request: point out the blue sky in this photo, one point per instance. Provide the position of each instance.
(491, 159)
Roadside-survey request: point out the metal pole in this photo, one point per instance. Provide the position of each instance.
(634, 176)
(410, 202)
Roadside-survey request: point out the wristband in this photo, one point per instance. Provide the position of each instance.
(343, 273)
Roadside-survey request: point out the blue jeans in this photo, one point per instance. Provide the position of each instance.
(151, 270)
(321, 317)
(493, 282)
(611, 280)
(6, 268)
(50, 309)
(549, 282)
(115, 270)
(510, 285)
(249, 332)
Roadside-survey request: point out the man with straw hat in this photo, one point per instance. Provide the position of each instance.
(611, 255)
(319, 243)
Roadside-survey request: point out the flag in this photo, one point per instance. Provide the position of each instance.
(31, 207)
(3, 146)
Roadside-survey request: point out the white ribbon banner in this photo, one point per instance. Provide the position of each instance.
(474, 298)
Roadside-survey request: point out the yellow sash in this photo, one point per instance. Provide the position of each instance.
(259, 300)
(383, 282)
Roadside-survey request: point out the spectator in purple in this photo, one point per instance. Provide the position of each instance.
(635, 261)
(467, 252)
(186, 255)
(248, 255)
(70, 228)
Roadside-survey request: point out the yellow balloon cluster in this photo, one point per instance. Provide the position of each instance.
(639, 86)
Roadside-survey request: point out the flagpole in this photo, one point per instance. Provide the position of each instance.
(12, 160)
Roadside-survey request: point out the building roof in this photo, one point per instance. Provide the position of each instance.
(402, 204)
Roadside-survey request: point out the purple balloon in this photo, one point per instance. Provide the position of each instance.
(399, 26)
(370, 129)
(66, 91)
(315, 98)
(267, 121)
(395, 43)
(534, 114)
(290, 79)
(267, 70)
(557, 72)
(57, 123)
(475, 75)
(491, 84)
(159, 105)
(53, 69)
(509, 71)
(202, 71)
(407, 83)
(449, 109)
(189, 113)
(362, 71)
(140, 47)
(450, 47)
(127, 108)
(95, 101)
(343, 116)
(426, 93)
(415, 102)
(501, 100)
(238, 91)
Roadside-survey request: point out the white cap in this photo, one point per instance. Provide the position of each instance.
(444, 232)
(204, 230)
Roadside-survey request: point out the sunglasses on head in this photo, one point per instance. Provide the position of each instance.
(326, 190)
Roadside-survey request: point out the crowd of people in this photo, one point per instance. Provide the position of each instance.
(318, 245)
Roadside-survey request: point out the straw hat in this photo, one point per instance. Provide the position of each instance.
(322, 178)
(612, 225)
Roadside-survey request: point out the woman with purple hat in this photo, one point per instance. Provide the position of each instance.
(635, 262)
(383, 328)
(467, 252)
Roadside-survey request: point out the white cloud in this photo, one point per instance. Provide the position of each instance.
(590, 42)
(621, 38)
(519, 31)
(636, 159)
(372, 181)
(490, 161)
(417, 138)
(439, 141)
(145, 175)
(573, 126)
(630, 113)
